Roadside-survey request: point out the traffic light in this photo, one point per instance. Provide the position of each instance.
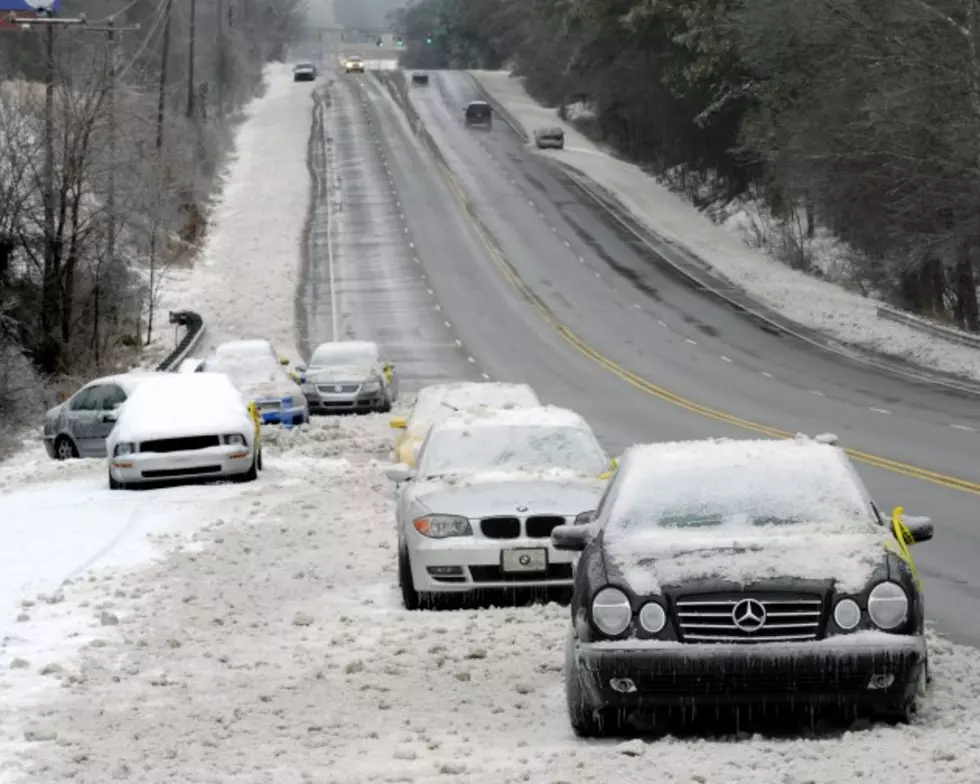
(399, 42)
(381, 41)
(428, 38)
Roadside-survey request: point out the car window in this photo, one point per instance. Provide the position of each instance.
(87, 399)
(343, 354)
(113, 397)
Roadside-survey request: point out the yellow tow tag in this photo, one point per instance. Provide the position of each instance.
(904, 537)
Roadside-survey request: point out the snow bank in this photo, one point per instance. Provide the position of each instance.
(271, 646)
(815, 303)
(247, 274)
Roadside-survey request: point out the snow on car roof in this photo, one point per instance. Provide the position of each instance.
(255, 346)
(177, 404)
(438, 400)
(543, 416)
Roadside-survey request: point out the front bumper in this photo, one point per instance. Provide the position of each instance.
(478, 565)
(283, 416)
(555, 144)
(213, 462)
(833, 672)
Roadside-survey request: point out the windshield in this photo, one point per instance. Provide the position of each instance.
(341, 354)
(246, 370)
(741, 497)
(512, 448)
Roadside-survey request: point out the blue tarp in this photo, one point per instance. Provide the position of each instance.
(23, 6)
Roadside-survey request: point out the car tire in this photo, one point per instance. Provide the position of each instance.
(411, 598)
(258, 461)
(65, 449)
(252, 474)
(114, 484)
(586, 721)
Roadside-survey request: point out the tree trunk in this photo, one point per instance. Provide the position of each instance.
(965, 284)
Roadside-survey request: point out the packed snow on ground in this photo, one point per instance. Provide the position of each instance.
(270, 646)
(244, 281)
(810, 301)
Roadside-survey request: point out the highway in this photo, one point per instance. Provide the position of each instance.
(550, 292)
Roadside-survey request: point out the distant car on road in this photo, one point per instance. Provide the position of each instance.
(349, 376)
(478, 114)
(260, 374)
(420, 78)
(438, 401)
(753, 574)
(354, 64)
(478, 511)
(553, 137)
(79, 426)
(304, 72)
(184, 426)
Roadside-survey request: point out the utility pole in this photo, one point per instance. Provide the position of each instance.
(191, 88)
(113, 131)
(222, 69)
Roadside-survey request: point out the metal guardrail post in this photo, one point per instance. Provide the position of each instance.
(928, 327)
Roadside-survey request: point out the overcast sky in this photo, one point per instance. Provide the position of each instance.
(354, 13)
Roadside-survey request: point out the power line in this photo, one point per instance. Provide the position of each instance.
(159, 14)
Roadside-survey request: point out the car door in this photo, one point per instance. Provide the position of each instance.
(111, 398)
(82, 413)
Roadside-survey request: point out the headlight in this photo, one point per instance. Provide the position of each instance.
(123, 449)
(847, 614)
(888, 605)
(611, 611)
(652, 617)
(584, 517)
(438, 526)
(235, 440)
(371, 386)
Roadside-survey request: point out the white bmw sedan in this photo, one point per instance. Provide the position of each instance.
(184, 426)
(477, 512)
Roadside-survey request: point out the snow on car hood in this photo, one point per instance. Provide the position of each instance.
(482, 495)
(662, 557)
(273, 388)
(342, 373)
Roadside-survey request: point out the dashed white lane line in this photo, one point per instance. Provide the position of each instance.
(471, 360)
(692, 342)
(567, 243)
(879, 410)
(485, 376)
(816, 392)
(725, 359)
(966, 428)
(662, 323)
(430, 291)
(764, 373)
(637, 306)
(448, 325)
(459, 342)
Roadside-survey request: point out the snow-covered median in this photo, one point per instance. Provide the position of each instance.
(271, 646)
(244, 281)
(815, 303)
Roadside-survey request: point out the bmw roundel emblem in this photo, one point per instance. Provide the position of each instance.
(525, 560)
(338, 388)
(522, 509)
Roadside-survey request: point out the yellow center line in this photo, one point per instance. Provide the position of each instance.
(637, 381)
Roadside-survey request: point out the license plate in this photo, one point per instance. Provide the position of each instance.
(525, 560)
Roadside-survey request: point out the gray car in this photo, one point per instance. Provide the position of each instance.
(349, 376)
(553, 137)
(79, 426)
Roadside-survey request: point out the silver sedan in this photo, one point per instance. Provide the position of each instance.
(349, 376)
(478, 512)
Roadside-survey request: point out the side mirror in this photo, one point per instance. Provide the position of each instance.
(402, 472)
(398, 423)
(571, 537)
(916, 529)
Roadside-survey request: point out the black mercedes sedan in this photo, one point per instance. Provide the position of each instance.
(736, 573)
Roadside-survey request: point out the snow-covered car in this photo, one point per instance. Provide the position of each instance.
(742, 573)
(304, 72)
(438, 400)
(354, 64)
(348, 376)
(190, 365)
(477, 513)
(79, 426)
(553, 137)
(259, 372)
(184, 426)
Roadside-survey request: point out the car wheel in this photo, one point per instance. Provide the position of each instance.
(258, 461)
(114, 484)
(252, 474)
(586, 721)
(411, 598)
(64, 449)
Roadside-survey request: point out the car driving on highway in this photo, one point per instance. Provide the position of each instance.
(741, 573)
(304, 72)
(354, 64)
(478, 114)
(184, 426)
(490, 487)
(439, 400)
(259, 372)
(79, 426)
(349, 376)
(553, 137)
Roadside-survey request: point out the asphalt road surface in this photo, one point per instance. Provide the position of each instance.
(635, 318)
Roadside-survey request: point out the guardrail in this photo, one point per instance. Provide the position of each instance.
(194, 329)
(928, 327)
